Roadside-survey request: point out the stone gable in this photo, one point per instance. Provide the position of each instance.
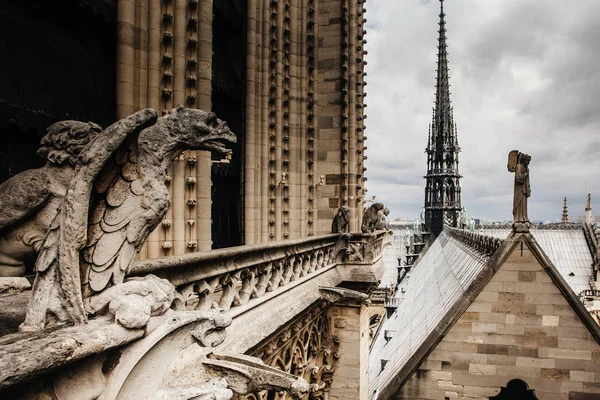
(519, 327)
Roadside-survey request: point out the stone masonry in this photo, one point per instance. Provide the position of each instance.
(519, 326)
(304, 112)
(351, 378)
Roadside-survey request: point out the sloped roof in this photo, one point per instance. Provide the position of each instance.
(567, 249)
(443, 285)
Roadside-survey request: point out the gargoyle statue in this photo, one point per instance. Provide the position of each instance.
(382, 219)
(30, 200)
(341, 220)
(370, 218)
(115, 199)
(226, 374)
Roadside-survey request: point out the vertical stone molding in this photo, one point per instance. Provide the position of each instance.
(164, 59)
(350, 324)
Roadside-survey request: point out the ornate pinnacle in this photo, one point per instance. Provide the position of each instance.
(565, 213)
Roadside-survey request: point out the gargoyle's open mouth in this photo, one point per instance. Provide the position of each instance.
(215, 145)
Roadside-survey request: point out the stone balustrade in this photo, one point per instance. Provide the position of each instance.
(483, 244)
(233, 277)
(283, 277)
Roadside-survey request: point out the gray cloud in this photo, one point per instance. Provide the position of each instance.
(524, 75)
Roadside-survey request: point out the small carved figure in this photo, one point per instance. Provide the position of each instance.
(370, 218)
(382, 219)
(30, 200)
(341, 220)
(115, 199)
(519, 164)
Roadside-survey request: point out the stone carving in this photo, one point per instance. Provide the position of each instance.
(116, 197)
(370, 218)
(38, 355)
(382, 219)
(484, 244)
(232, 280)
(246, 374)
(337, 294)
(341, 220)
(519, 164)
(133, 302)
(30, 200)
(304, 347)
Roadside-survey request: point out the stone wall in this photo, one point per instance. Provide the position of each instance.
(350, 324)
(520, 326)
(304, 120)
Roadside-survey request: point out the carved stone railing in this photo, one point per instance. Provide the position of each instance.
(445, 204)
(392, 302)
(232, 277)
(589, 293)
(557, 227)
(483, 244)
(443, 171)
(365, 248)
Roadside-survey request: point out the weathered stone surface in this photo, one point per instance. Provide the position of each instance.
(26, 355)
(121, 173)
(335, 294)
(29, 201)
(13, 285)
(246, 374)
(519, 164)
(371, 217)
(382, 219)
(341, 220)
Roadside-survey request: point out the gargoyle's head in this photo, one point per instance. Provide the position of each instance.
(201, 130)
(64, 141)
(345, 212)
(377, 206)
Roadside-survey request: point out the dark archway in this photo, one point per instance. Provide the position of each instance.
(515, 389)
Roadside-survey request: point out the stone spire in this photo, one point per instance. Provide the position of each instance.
(565, 214)
(442, 189)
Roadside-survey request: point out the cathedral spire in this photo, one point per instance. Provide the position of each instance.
(565, 214)
(442, 190)
(443, 112)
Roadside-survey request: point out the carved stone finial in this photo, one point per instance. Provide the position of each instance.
(341, 220)
(337, 294)
(519, 164)
(370, 217)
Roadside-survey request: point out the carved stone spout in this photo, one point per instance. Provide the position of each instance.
(246, 374)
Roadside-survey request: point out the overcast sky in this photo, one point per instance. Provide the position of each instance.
(524, 74)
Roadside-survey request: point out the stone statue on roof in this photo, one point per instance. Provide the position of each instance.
(519, 164)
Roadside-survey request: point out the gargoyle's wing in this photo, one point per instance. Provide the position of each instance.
(113, 234)
(58, 264)
(21, 196)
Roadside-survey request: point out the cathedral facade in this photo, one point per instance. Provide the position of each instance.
(288, 77)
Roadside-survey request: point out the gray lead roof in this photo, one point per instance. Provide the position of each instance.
(566, 248)
(437, 282)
